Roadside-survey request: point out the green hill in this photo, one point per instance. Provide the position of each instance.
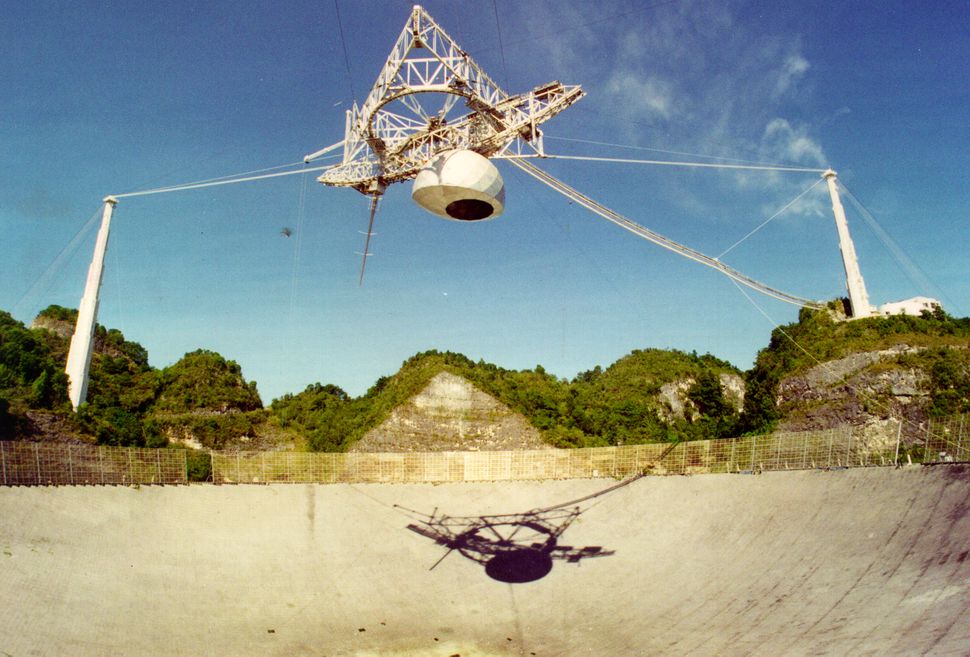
(819, 371)
(203, 397)
(621, 405)
(814, 373)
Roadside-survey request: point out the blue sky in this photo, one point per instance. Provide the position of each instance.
(107, 97)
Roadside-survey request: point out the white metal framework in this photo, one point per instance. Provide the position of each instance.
(412, 113)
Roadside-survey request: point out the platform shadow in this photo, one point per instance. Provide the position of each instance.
(513, 547)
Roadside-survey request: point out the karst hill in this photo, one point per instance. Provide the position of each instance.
(815, 373)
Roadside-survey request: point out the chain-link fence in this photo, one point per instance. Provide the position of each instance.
(945, 440)
(38, 464)
(791, 451)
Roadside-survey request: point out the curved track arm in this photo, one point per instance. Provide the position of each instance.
(656, 238)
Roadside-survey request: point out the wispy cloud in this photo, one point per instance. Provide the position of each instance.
(785, 142)
(693, 77)
(791, 72)
(647, 98)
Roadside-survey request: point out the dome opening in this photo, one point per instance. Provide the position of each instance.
(469, 209)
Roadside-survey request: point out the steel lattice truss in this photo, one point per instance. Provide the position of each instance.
(412, 113)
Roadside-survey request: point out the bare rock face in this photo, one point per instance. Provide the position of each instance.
(62, 328)
(674, 402)
(451, 414)
(860, 390)
(676, 405)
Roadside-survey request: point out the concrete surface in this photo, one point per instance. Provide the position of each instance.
(854, 562)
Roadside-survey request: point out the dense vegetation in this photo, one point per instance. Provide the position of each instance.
(618, 405)
(205, 398)
(129, 403)
(816, 337)
(31, 375)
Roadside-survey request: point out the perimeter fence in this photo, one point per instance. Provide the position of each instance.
(947, 440)
(39, 464)
(944, 440)
(781, 451)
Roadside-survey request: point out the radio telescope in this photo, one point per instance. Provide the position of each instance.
(435, 116)
(411, 120)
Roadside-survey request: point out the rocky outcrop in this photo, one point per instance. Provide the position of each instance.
(450, 414)
(863, 390)
(60, 327)
(675, 404)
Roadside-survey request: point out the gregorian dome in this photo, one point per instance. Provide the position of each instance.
(460, 185)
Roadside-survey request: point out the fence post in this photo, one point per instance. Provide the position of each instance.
(959, 456)
(926, 441)
(70, 465)
(848, 447)
(754, 441)
(899, 435)
(831, 443)
(37, 462)
(3, 461)
(158, 467)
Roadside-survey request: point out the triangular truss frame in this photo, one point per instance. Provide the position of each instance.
(392, 135)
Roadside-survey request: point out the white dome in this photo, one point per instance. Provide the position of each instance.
(460, 185)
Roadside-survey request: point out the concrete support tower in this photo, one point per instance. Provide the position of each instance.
(82, 343)
(858, 297)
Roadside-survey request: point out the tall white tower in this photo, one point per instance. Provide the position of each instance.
(858, 297)
(82, 343)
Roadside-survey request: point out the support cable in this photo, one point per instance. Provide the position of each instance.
(916, 275)
(343, 42)
(297, 248)
(768, 220)
(658, 239)
(501, 48)
(215, 182)
(57, 264)
(700, 165)
(827, 366)
(660, 150)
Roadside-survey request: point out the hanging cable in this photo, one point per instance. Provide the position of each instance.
(656, 238)
(660, 150)
(343, 42)
(501, 48)
(916, 275)
(42, 282)
(297, 247)
(769, 219)
(836, 374)
(215, 182)
(701, 165)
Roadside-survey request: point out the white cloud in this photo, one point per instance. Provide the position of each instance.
(646, 97)
(791, 72)
(787, 143)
